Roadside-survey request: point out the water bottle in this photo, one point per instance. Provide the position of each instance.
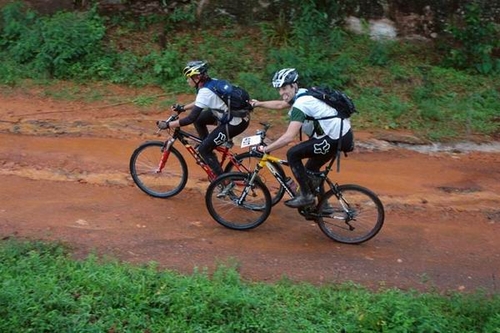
(291, 184)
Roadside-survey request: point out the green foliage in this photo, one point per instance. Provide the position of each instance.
(394, 84)
(379, 53)
(473, 40)
(311, 30)
(9, 72)
(279, 32)
(56, 46)
(226, 60)
(20, 33)
(296, 34)
(470, 109)
(43, 290)
(185, 14)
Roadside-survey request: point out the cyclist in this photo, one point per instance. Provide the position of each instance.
(323, 135)
(207, 109)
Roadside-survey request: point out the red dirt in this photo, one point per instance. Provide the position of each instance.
(64, 176)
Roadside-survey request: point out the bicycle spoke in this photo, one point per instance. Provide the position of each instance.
(144, 164)
(358, 220)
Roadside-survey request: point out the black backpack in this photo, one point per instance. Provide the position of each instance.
(335, 98)
(236, 98)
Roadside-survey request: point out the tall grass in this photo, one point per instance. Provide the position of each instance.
(44, 290)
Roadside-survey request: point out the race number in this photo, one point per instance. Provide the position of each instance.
(250, 141)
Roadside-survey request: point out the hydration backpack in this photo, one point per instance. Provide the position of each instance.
(334, 98)
(236, 98)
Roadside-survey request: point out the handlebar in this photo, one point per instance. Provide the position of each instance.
(173, 117)
(255, 152)
(262, 132)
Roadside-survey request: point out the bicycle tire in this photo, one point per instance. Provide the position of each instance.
(165, 184)
(249, 161)
(363, 221)
(224, 207)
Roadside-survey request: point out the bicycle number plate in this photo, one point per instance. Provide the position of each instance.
(250, 141)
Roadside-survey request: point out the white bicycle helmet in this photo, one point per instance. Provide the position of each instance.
(285, 76)
(195, 67)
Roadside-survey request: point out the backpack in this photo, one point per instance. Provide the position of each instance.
(334, 98)
(236, 98)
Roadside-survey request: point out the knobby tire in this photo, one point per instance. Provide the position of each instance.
(165, 184)
(223, 205)
(363, 221)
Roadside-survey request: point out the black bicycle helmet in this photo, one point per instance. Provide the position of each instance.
(196, 67)
(285, 76)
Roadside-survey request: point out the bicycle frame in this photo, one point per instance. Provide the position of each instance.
(184, 138)
(263, 163)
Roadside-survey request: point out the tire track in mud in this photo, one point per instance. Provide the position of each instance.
(465, 199)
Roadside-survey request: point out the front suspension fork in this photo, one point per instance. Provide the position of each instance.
(165, 153)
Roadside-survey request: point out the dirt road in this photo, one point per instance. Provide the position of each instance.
(64, 176)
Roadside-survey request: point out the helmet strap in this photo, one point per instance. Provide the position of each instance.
(196, 83)
(202, 78)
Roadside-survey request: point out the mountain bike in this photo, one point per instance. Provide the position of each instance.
(347, 213)
(160, 170)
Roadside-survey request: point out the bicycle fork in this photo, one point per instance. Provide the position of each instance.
(165, 153)
(248, 188)
(350, 214)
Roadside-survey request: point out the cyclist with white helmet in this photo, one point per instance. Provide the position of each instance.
(323, 134)
(207, 109)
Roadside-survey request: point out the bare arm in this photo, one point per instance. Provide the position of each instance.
(274, 104)
(291, 133)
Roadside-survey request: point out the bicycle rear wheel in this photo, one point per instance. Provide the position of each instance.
(146, 174)
(235, 204)
(354, 216)
(249, 161)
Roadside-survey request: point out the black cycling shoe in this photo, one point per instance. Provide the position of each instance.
(300, 201)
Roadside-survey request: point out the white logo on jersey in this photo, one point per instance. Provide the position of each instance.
(220, 139)
(322, 148)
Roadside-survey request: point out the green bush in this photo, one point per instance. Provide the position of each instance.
(58, 46)
(307, 39)
(473, 40)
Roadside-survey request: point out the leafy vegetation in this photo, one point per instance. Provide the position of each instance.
(446, 90)
(44, 290)
(473, 41)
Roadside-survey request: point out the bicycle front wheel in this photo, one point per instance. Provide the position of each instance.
(248, 161)
(236, 204)
(353, 215)
(159, 174)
